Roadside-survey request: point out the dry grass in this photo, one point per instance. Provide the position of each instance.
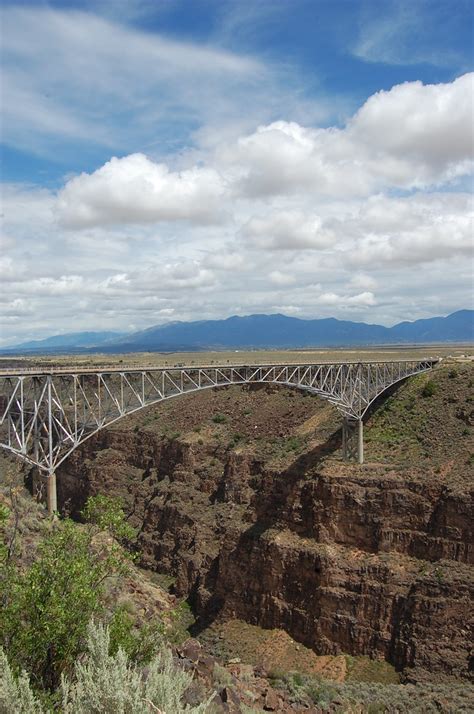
(171, 359)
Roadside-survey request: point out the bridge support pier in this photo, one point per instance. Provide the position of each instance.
(51, 493)
(353, 440)
(360, 442)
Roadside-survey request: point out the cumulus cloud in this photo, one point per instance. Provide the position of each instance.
(413, 136)
(281, 279)
(15, 308)
(425, 130)
(363, 281)
(308, 220)
(134, 189)
(414, 230)
(287, 230)
(174, 276)
(64, 285)
(365, 299)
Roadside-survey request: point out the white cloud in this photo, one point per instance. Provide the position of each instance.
(15, 308)
(291, 217)
(281, 279)
(74, 76)
(413, 136)
(406, 32)
(414, 230)
(229, 259)
(9, 270)
(136, 190)
(64, 285)
(287, 230)
(363, 281)
(366, 299)
(424, 129)
(175, 276)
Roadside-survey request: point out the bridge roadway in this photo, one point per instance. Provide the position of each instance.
(46, 412)
(115, 367)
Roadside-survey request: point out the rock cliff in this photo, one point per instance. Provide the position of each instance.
(242, 496)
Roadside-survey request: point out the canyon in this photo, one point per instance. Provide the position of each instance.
(242, 496)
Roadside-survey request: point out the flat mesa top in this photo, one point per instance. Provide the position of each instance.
(108, 369)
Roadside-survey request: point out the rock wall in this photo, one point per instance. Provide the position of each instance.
(362, 561)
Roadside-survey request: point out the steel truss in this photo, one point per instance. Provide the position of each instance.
(44, 416)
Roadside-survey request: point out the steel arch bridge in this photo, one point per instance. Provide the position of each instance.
(46, 414)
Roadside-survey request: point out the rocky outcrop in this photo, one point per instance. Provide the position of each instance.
(364, 563)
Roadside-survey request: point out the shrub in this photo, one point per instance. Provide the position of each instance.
(16, 695)
(46, 609)
(219, 419)
(293, 443)
(107, 683)
(139, 644)
(429, 389)
(107, 514)
(4, 516)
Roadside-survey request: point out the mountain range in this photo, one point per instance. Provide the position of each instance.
(258, 332)
(68, 340)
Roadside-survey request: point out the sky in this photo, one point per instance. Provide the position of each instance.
(172, 160)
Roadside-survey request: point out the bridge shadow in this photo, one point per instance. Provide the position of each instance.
(272, 506)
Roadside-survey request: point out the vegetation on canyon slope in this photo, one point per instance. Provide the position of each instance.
(56, 578)
(61, 648)
(111, 663)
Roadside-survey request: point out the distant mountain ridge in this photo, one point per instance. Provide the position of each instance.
(260, 332)
(71, 339)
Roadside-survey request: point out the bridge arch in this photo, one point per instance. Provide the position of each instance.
(45, 416)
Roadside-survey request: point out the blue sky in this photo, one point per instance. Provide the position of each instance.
(303, 156)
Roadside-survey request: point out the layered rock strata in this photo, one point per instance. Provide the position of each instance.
(372, 560)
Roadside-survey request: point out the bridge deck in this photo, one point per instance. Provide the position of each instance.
(46, 412)
(112, 368)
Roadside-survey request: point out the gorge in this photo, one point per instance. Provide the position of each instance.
(240, 494)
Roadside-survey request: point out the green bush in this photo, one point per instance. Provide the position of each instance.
(429, 389)
(107, 514)
(4, 516)
(46, 609)
(140, 644)
(219, 419)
